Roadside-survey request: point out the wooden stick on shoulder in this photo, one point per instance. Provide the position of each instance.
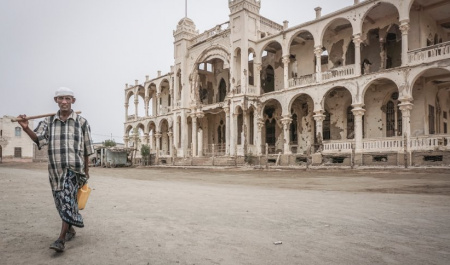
(37, 116)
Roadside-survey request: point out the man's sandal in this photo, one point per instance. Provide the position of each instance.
(58, 246)
(70, 235)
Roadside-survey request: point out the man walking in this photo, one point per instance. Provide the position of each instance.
(69, 141)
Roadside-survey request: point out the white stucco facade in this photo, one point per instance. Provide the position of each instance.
(14, 142)
(372, 78)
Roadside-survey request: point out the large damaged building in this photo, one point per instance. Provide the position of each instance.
(365, 85)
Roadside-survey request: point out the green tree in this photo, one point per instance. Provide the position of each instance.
(109, 143)
(145, 152)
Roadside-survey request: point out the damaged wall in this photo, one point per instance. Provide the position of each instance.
(336, 103)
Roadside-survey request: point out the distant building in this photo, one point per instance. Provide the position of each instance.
(369, 83)
(14, 142)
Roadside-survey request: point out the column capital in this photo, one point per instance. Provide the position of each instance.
(404, 26)
(258, 66)
(170, 134)
(286, 119)
(405, 106)
(200, 115)
(358, 111)
(319, 116)
(126, 105)
(260, 124)
(318, 50)
(158, 135)
(286, 59)
(357, 40)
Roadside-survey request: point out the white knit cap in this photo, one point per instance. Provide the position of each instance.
(64, 91)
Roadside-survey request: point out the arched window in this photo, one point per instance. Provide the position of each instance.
(251, 136)
(239, 128)
(293, 130)
(222, 90)
(350, 54)
(393, 117)
(390, 119)
(268, 80)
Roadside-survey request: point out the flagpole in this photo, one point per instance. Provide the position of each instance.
(185, 8)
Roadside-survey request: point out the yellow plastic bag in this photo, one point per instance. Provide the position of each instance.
(83, 195)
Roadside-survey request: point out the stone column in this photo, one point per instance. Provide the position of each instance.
(146, 138)
(227, 129)
(170, 134)
(383, 56)
(153, 141)
(126, 112)
(233, 134)
(358, 113)
(200, 142)
(286, 62)
(259, 136)
(194, 135)
(200, 136)
(406, 107)
(126, 140)
(136, 103)
(184, 136)
(319, 117)
(286, 120)
(404, 27)
(318, 52)
(246, 129)
(257, 75)
(146, 106)
(158, 136)
(357, 41)
(158, 96)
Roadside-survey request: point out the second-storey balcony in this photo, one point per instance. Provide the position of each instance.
(430, 53)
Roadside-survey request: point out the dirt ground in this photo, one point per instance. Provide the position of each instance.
(232, 216)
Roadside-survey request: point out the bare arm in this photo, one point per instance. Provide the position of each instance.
(86, 166)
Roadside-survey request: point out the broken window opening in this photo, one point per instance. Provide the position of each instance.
(433, 158)
(268, 80)
(222, 90)
(327, 126)
(293, 130)
(380, 158)
(251, 136)
(431, 120)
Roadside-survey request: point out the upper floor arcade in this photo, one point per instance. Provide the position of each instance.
(265, 58)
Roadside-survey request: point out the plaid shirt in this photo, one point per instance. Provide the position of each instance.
(68, 143)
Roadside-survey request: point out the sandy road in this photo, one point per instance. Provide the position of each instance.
(232, 216)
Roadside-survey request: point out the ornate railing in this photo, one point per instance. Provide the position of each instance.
(438, 51)
(302, 80)
(270, 24)
(215, 150)
(339, 146)
(339, 72)
(209, 33)
(385, 144)
(427, 143)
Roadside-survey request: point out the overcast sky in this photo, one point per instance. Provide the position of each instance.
(96, 46)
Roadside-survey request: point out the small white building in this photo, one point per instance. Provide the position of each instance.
(14, 142)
